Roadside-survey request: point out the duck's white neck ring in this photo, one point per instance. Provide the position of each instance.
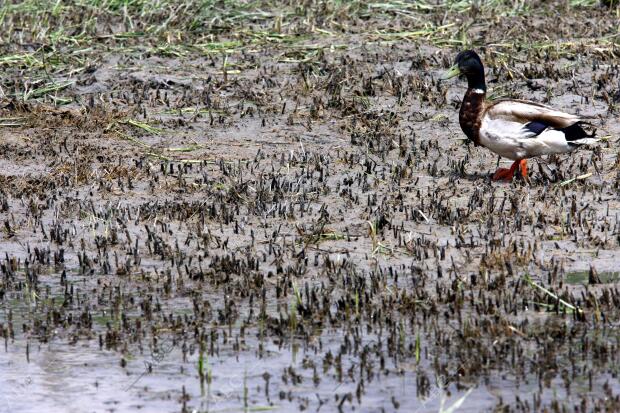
(478, 91)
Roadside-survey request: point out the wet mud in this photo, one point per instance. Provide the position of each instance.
(283, 214)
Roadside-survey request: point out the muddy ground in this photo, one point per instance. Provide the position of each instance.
(213, 206)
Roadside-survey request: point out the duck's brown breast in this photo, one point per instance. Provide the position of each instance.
(470, 115)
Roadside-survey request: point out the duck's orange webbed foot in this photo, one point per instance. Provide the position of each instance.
(503, 174)
(507, 174)
(523, 164)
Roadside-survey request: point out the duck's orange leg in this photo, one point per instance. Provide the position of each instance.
(507, 174)
(523, 164)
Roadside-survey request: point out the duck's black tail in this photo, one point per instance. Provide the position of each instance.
(576, 134)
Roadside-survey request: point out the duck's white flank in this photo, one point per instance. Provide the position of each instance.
(503, 130)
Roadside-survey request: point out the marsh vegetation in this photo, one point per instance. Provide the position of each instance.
(256, 206)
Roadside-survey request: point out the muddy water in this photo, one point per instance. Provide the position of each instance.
(67, 376)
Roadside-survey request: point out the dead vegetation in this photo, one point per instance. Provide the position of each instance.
(273, 205)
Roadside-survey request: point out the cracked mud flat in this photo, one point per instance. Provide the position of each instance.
(296, 223)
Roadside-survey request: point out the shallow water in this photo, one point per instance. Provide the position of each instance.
(582, 277)
(81, 376)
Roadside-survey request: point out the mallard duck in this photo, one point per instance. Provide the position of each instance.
(512, 128)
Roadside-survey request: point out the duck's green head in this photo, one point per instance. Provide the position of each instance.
(468, 63)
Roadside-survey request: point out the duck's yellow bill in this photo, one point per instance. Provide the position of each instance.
(453, 71)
